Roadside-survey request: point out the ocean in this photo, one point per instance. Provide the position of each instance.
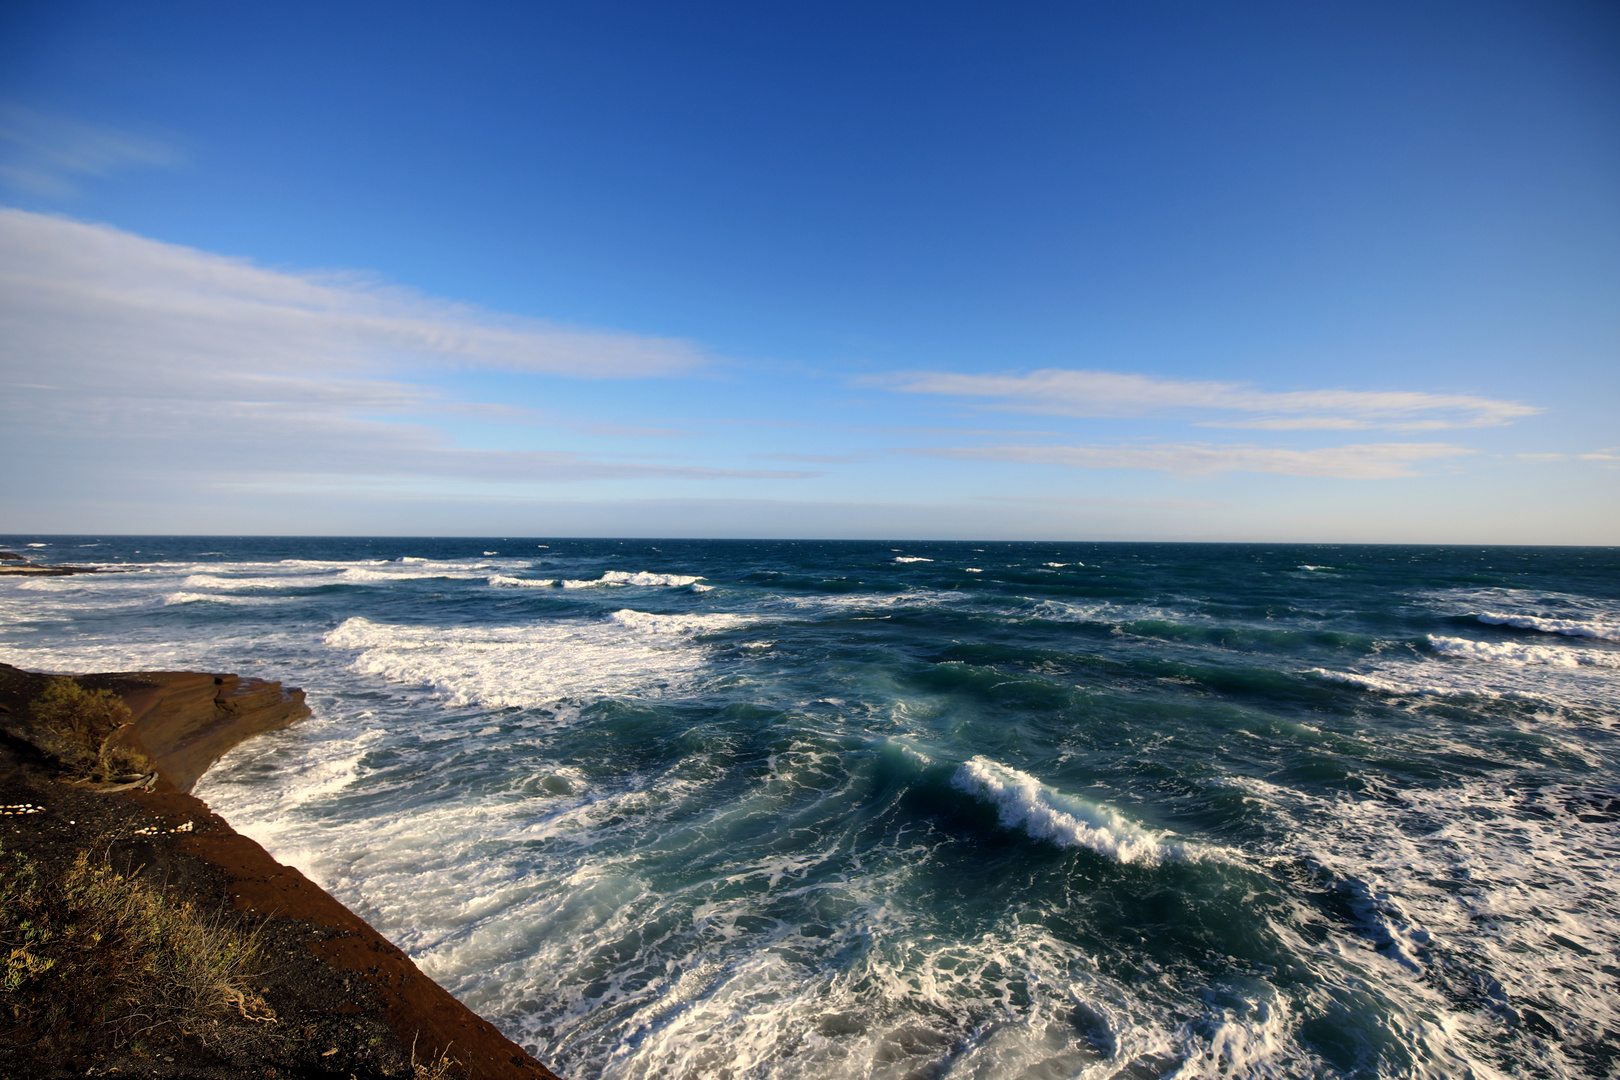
(727, 809)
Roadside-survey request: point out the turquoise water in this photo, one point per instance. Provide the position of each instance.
(766, 809)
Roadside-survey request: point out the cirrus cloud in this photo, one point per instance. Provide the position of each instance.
(94, 300)
(130, 357)
(43, 154)
(1367, 461)
(1067, 392)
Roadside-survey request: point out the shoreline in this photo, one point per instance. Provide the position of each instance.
(334, 972)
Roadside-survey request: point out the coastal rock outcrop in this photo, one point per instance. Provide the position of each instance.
(183, 720)
(186, 720)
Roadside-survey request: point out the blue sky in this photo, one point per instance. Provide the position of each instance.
(1059, 271)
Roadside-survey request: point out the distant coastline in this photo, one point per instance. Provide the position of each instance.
(15, 565)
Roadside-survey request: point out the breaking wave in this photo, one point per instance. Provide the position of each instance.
(643, 578)
(1023, 802)
(1588, 628)
(509, 582)
(1515, 653)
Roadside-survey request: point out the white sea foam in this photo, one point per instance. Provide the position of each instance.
(911, 558)
(337, 574)
(1568, 614)
(630, 654)
(1589, 628)
(1385, 685)
(452, 566)
(1023, 802)
(1501, 885)
(643, 578)
(1510, 652)
(858, 601)
(237, 584)
(506, 581)
(648, 623)
(973, 569)
(418, 572)
(220, 598)
(1308, 566)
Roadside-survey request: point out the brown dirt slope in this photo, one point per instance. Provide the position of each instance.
(347, 1002)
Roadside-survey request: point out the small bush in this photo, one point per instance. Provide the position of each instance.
(79, 726)
(92, 954)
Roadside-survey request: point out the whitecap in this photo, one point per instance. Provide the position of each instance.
(504, 580)
(1384, 685)
(1589, 628)
(911, 558)
(643, 578)
(628, 655)
(621, 577)
(646, 622)
(218, 598)
(1023, 802)
(374, 576)
(1511, 652)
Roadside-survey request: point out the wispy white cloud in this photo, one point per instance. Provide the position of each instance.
(1110, 393)
(44, 154)
(814, 459)
(93, 297)
(1368, 461)
(522, 415)
(140, 355)
(1083, 502)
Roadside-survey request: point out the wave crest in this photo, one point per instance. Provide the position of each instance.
(509, 582)
(1023, 802)
(647, 622)
(624, 577)
(1591, 628)
(1509, 652)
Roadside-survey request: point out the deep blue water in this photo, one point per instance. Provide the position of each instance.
(822, 809)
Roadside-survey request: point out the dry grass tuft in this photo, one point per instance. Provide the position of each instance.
(82, 728)
(443, 1067)
(91, 954)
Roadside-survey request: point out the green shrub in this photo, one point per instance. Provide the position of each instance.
(79, 727)
(94, 955)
